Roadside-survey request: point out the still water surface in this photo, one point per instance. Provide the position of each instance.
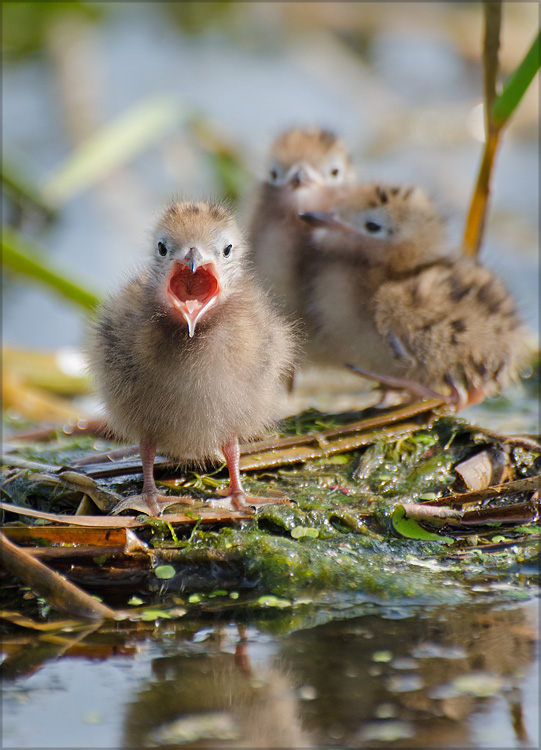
(403, 676)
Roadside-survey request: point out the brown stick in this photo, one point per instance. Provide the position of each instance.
(403, 412)
(60, 594)
(527, 484)
(299, 454)
(203, 514)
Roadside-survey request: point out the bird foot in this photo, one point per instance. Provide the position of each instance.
(243, 502)
(151, 504)
(392, 398)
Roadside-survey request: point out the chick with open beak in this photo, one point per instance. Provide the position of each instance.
(190, 356)
(307, 170)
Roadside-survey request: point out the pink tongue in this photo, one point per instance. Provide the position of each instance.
(192, 305)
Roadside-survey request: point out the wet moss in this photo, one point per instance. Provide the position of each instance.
(335, 536)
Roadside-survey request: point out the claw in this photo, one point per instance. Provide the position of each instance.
(245, 503)
(152, 505)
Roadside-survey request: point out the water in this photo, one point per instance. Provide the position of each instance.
(405, 676)
(415, 677)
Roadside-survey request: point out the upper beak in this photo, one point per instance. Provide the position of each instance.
(193, 259)
(300, 178)
(326, 220)
(302, 175)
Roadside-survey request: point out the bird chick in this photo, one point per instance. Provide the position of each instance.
(189, 355)
(384, 293)
(307, 170)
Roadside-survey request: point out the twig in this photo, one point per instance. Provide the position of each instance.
(205, 515)
(527, 484)
(60, 594)
(321, 438)
(299, 454)
(495, 547)
(521, 441)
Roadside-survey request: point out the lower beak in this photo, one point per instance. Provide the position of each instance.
(192, 289)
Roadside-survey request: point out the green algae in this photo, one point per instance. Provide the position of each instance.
(335, 538)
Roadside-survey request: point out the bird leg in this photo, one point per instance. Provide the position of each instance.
(149, 501)
(238, 498)
(391, 382)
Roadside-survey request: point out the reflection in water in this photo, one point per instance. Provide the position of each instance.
(416, 681)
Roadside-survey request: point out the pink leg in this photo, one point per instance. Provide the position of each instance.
(147, 449)
(231, 452)
(238, 497)
(149, 501)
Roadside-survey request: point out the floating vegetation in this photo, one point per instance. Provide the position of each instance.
(385, 518)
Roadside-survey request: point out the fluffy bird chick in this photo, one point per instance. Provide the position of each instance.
(383, 293)
(307, 170)
(189, 355)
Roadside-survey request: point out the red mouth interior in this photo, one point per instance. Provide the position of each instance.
(192, 291)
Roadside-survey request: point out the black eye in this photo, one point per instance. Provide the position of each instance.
(335, 172)
(372, 227)
(162, 249)
(273, 175)
(227, 251)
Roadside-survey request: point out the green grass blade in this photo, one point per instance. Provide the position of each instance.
(517, 84)
(17, 181)
(114, 145)
(21, 258)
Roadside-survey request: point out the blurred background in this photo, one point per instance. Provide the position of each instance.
(112, 109)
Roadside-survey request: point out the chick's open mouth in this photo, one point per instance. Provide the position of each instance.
(192, 293)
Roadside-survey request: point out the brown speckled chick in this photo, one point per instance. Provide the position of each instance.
(307, 170)
(383, 292)
(189, 356)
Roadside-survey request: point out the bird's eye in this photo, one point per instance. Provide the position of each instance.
(273, 175)
(372, 227)
(227, 251)
(162, 249)
(335, 172)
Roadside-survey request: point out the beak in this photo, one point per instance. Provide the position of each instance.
(302, 175)
(192, 288)
(324, 220)
(193, 259)
(300, 178)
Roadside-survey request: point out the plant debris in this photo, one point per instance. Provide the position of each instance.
(378, 509)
